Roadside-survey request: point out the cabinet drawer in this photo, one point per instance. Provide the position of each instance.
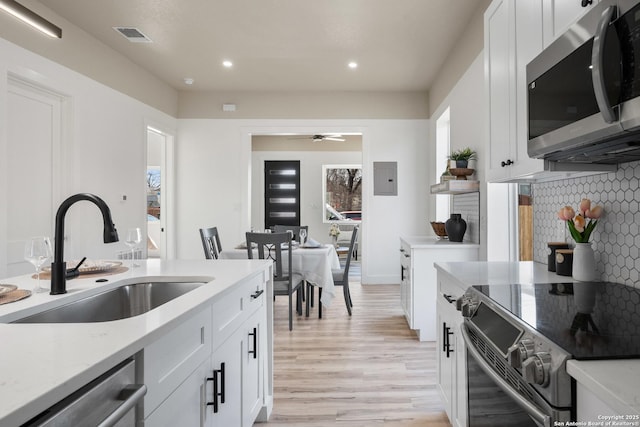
(171, 359)
(233, 309)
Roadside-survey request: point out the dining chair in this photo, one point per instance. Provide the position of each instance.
(210, 242)
(270, 246)
(294, 228)
(340, 278)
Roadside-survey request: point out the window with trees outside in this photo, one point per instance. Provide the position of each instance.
(342, 190)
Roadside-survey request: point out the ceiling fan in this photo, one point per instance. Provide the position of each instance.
(319, 137)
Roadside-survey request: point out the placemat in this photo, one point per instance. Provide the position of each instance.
(13, 296)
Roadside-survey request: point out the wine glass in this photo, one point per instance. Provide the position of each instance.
(303, 236)
(134, 237)
(37, 251)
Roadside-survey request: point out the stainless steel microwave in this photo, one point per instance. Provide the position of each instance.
(584, 89)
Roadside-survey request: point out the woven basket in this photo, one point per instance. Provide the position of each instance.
(438, 228)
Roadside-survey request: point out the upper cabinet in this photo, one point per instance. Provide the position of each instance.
(515, 33)
(513, 36)
(560, 14)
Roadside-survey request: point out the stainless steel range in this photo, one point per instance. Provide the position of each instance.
(519, 338)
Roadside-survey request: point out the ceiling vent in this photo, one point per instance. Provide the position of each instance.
(133, 34)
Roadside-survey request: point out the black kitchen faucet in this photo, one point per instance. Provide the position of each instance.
(58, 266)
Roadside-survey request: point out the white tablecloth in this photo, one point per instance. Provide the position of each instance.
(314, 264)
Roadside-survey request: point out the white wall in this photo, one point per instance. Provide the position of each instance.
(311, 207)
(467, 103)
(106, 133)
(213, 162)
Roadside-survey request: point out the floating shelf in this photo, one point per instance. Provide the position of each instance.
(456, 186)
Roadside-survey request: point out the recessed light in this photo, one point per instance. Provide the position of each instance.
(353, 65)
(188, 81)
(227, 64)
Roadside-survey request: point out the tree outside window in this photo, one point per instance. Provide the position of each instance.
(342, 193)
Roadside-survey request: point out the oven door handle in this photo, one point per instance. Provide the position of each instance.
(534, 412)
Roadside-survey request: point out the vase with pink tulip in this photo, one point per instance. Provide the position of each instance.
(581, 225)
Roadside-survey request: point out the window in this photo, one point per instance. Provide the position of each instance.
(342, 190)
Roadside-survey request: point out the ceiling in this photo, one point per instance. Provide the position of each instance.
(280, 45)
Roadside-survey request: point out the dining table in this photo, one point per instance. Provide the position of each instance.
(313, 263)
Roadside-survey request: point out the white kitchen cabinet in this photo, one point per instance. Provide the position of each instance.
(418, 286)
(187, 405)
(513, 37)
(204, 372)
(451, 350)
(253, 368)
(173, 357)
(589, 407)
(227, 382)
(560, 14)
(515, 33)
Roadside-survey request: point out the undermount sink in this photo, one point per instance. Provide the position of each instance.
(118, 303)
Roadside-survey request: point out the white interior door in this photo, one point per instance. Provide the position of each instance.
(34, 128)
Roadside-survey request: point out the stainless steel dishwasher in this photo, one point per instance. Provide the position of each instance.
(109, 400)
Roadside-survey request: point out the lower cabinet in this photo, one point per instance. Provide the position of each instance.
(187, 405)
(418, 279)
(253, 369)
(452, 356)
(211, 370)
(225, 403)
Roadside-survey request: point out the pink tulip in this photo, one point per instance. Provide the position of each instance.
(594, 213)
(566, 213)
(579, 223)
(585, 205)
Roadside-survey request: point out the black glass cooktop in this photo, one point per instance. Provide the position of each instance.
(590, 320)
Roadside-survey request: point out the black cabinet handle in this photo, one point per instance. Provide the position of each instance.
(446, 345)
(401, 273)
(509, 162)
(257, 294)
(254, 334)
(449, 333)
(449, 299)
(586, 3)
(218, 374)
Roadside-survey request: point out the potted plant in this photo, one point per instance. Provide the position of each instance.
(462, 157)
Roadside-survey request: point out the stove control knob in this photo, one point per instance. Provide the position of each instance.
(520, 352)
(535, 369)
(468, 308)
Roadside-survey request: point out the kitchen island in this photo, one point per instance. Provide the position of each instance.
(41, 364)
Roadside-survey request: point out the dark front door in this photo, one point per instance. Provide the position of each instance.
(281, 192)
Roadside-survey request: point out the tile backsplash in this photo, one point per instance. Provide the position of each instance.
(468, 205)
(616, 239)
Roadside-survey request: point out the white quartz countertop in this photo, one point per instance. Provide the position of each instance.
(434, 242)
(614, 381)
(43, 363)
(500, 273)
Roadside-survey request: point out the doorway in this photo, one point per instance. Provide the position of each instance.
(311, 155)
(157, 192)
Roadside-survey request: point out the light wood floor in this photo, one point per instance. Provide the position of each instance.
(359, 371)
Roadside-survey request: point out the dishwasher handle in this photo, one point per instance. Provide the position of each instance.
(130, 395)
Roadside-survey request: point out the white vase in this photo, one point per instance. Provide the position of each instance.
(334, 241)
(584, 263)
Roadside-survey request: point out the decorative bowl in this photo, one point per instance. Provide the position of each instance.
(438, 228)
(461, 173)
